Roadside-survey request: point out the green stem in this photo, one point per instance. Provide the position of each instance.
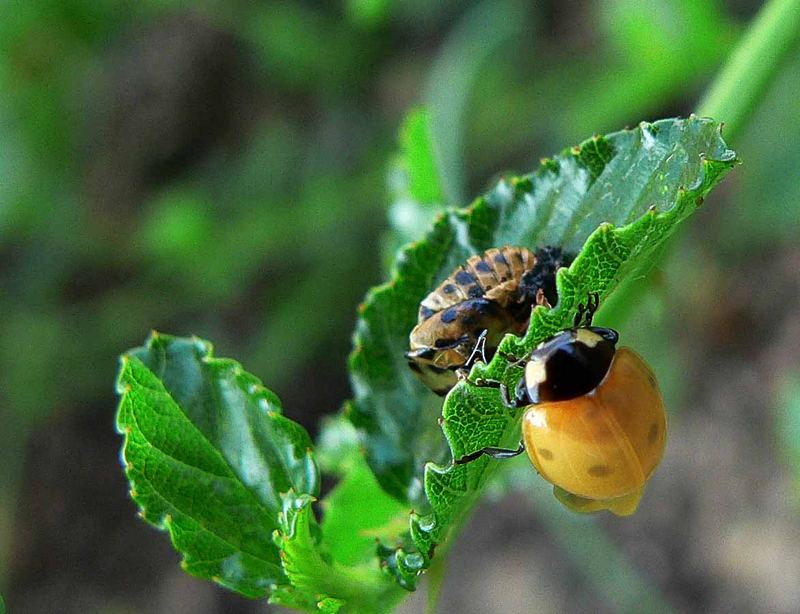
(731, 98)
(740, 85)
(436, 574)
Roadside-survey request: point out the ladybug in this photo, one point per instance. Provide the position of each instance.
(594, 424)
(488, 296)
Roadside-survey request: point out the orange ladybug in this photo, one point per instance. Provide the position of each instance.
(594, 424)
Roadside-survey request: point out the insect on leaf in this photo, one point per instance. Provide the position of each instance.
(613, 201)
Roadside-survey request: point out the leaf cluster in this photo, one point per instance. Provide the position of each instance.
(212, 459)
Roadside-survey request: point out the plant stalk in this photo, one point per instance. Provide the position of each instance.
(731, 98)
(757, 58)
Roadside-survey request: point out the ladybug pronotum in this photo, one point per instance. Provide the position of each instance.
(488, 296)
(594, 424)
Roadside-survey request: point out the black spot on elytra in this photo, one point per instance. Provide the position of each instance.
(448, 288)
(474, 292)
(652, 434)
(483, 266)
(464, 277)
(545, 453)
(449, 315)
(599, 471)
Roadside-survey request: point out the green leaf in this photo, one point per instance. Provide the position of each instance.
(614, 200)
(422, 178)
(315, 576)
(390, 408)
(357, 512)
(337, 445)
(414, 184)
(207, 452)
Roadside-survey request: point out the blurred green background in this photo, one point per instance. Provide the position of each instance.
(221, 170)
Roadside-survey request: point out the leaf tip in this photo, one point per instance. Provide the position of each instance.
(522, 184)
(204, 348)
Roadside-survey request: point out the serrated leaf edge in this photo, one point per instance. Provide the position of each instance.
(165, 521)
(425, 531)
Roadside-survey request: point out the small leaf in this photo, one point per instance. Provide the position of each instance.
(645, 181)
(357, 512)
(421, 179)
(414, 184)
(315, 577)
(207, 452)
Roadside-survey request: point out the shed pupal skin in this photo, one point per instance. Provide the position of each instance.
(594, 423)
(490, 295)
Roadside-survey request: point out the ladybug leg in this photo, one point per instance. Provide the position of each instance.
(586, 312)
(498, 453)
(513, 361)
(593, 304)
(518, 401)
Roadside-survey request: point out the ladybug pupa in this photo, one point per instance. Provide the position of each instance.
(594, 423)
(490, 295)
